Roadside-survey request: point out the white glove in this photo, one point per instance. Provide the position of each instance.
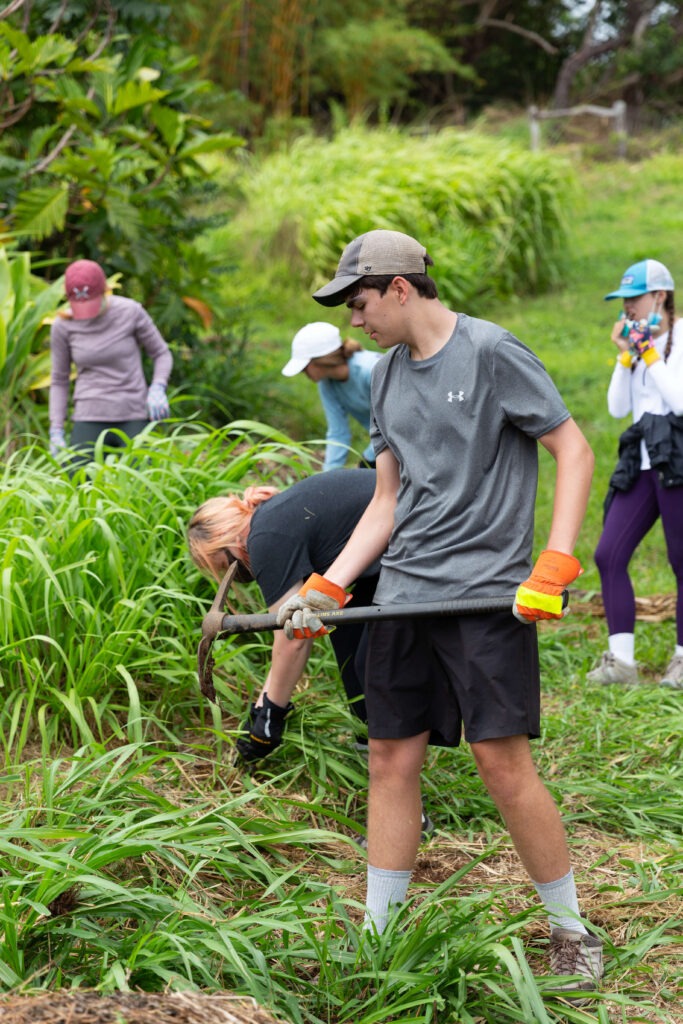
(157, 402)
(299, 614)
(57, 440)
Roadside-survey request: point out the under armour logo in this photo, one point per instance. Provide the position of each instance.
(460, 396)
(80, 293)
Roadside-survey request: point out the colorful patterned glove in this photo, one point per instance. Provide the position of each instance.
(642, 343)
(544, 594)
(57, 441)
(157, 402)
(299, 615)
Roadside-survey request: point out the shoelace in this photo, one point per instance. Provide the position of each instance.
(569, 957)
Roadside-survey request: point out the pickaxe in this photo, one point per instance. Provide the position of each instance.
(216, 624)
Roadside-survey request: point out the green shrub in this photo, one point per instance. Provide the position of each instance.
(26, 304)
(492, 215)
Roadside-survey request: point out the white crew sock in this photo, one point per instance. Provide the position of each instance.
(678, 653)
(622, 646)
(561, 902)
(386, 889)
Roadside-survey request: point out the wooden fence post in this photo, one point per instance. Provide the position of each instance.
(620, 127)
(617, 112)
(535, 129)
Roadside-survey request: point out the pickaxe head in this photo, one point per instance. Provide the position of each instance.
(211, 627)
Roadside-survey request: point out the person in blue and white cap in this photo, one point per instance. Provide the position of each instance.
(647, 484)
(342, 371)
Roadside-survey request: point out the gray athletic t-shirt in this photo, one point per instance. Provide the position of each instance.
(463, 426)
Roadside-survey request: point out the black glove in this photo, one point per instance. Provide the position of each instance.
(263, 730)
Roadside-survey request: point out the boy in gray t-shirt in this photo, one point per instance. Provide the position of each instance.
(458, 408)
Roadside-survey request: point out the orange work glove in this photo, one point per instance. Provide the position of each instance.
(299, 614)
(544, 594)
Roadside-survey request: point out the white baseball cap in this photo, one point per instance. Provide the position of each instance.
(311, 342)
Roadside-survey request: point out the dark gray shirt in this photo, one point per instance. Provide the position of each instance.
(463, 427)
(303, 529)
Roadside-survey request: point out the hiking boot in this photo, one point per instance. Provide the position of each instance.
(262, 731)
(577, 957)
(673, 677)
(613, 670)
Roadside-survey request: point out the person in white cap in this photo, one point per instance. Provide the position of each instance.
(102, 335)
(647, 485)
(342, 371)
(459, 406)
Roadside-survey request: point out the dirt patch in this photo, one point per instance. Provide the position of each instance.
(87, 1007)
(655, 608)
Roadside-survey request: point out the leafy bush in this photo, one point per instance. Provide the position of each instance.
(492, 215)
(26, 304)
(106, 155)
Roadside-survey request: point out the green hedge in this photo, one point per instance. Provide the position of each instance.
(492, 215)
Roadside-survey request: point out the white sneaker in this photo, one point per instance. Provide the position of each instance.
(577, 958)
(673, 677)
(613, 670)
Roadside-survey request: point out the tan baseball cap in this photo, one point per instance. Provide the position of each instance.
(375, 252)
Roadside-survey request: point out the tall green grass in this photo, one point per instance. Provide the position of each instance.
(96, 587)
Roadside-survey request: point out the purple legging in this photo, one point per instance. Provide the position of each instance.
(631, 515)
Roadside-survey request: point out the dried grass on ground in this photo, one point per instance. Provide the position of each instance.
(85, 1007)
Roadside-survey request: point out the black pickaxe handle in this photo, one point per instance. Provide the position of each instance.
(232, 624)
(216, 624)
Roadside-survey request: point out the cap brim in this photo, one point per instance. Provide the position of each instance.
(626, 293)
(86, 310)
(294, 366)
(330, 294)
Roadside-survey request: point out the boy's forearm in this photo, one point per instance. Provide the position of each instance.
(365, 545)
(575, 462)
(370, 538)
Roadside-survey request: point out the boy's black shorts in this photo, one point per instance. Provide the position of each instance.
(441, 675)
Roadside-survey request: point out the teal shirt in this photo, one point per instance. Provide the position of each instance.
(343, 399)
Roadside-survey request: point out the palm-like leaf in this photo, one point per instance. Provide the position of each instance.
(41, 211)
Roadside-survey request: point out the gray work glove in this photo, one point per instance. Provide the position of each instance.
(299, 614)
(57, 441)
(157, 402)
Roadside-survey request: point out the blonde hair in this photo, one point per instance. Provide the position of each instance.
(223, 522)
